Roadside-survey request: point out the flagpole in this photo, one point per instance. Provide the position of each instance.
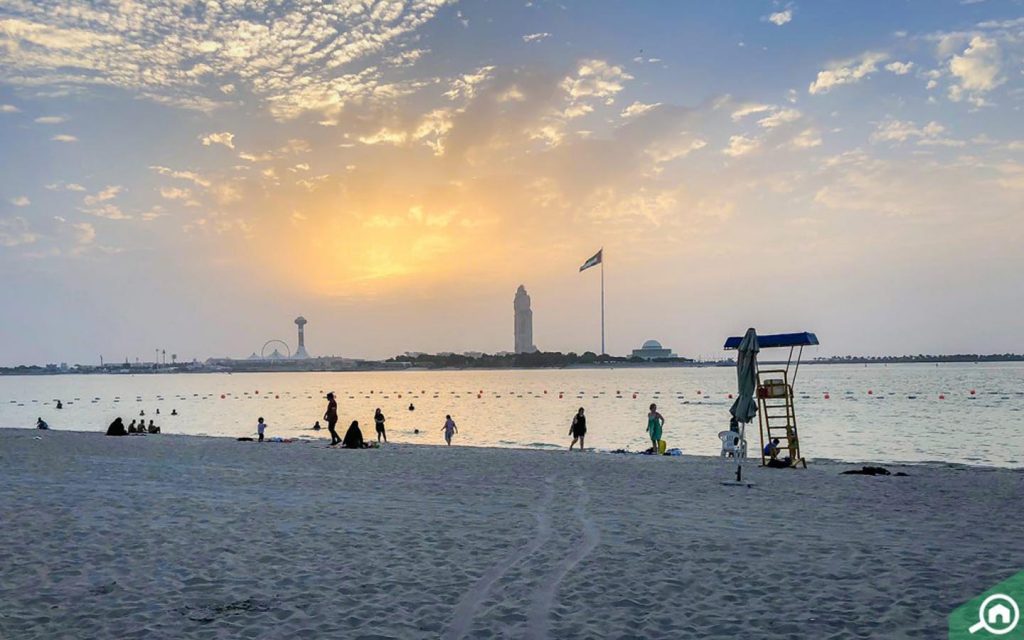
(603, 352)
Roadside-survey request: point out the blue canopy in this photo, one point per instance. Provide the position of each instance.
(804, 339)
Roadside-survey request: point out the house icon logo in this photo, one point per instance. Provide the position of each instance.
(993, 614)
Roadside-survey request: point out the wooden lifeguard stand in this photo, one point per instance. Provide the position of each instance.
(776, 410)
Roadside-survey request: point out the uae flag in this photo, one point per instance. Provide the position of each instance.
(593, 261)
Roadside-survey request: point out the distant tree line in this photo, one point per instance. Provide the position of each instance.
(535, 360)
(928, 358)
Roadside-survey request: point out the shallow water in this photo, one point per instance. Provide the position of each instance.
(903, 418)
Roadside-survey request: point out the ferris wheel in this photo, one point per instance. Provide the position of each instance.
(275, 343)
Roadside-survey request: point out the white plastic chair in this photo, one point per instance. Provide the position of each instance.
(732, 446)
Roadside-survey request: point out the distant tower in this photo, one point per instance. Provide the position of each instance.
(301, 351)
(523, 322)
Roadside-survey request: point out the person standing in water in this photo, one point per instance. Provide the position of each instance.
(331, 416)
(655, 422)
(449, 429)
(578, 430)
(260, 427)
(378, 420)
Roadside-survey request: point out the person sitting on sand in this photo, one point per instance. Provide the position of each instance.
(131, 428)
(353, 437)
(378, 420)
(578, 430)
(655, 423)
(152, 428)
(260, 428)
(772, 449)
(41, 424)
(116, 428)
(316, 426)
(449, 429)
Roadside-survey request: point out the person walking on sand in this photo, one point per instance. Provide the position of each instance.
(449, 429)
(378, 420)
(578, 430)
(260, 428)
(655, 422)
(331, 416)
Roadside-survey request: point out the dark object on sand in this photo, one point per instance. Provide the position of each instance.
(872, 471)
(353, 437)
(116, 428)
(244, 439)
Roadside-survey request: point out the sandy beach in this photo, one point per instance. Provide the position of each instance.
(192, 537)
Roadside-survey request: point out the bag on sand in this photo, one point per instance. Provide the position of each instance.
(662, 445)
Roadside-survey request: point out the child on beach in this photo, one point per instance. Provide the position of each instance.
(578, 430)
(260, 427)
(378, 420)
(449, 429)
(655, 422)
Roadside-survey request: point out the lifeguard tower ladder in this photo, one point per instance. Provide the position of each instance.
(776, 410)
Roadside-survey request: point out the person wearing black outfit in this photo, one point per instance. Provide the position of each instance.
(331, 416)
(378, 420)
(116, 428)
(353, 437)
(578, 430)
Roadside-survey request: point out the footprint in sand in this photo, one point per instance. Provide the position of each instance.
(470, 603)
(539, 614)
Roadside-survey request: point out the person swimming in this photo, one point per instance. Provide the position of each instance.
(41, 424)
(316, 426)
(174, 412)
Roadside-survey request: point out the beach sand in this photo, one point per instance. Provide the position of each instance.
(191, 537)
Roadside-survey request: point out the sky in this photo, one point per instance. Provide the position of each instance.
(191, 176)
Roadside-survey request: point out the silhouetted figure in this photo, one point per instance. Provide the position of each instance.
(316, 426)
(260, 427)
(152, 428)
(142, 413)
(158, 411)
(331, 416)
(412, 407)
(353, 437)
(41, 424)
(449, 429)
(60, 405)
(174, 412)
(578, 430)
(378, 421)
(131, 428)
(116, 428)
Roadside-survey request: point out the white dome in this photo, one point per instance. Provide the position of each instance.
(651, 344)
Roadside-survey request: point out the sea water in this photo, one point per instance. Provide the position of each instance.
(901, 419)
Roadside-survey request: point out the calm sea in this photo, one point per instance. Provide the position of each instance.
(902, 419)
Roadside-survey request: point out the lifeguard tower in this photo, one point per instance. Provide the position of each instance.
(776, 410)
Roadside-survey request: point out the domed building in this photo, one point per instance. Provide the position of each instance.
(652, 350)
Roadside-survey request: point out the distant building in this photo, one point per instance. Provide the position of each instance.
(523, 322)
(652, 350)
(301, 351)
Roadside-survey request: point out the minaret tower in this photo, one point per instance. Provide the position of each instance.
(301, 351)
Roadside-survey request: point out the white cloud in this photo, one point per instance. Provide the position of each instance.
(752, 108)
(191, 176)
(50, 120)
(898, 131)
(638, 108)
(60, 186)
(225, 138)
(175, 193)
(63, 137)
(108, 211)
(85, 233)
(9, 108)
(21, 201)
(899, 68)
(108, 193)
(289, 57)
(465, 86)
(780, 18)
(597, 79)
(806, 139)
(847, 72)
(779, 118)
(741, 146)
(977, 69)
(534, 37)
(15, 231)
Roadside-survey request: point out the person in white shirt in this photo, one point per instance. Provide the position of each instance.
(260, 427)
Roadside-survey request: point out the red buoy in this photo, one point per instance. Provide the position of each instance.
(827, 397)
(222, 396)
(730, 396)
(942, 396)
(870, 392)
(972, 392)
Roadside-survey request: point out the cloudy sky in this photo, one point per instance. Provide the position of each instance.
(193, 175)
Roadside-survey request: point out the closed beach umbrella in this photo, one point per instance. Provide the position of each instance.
(745, 407)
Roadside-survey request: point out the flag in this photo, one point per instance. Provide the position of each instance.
(593, 261)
